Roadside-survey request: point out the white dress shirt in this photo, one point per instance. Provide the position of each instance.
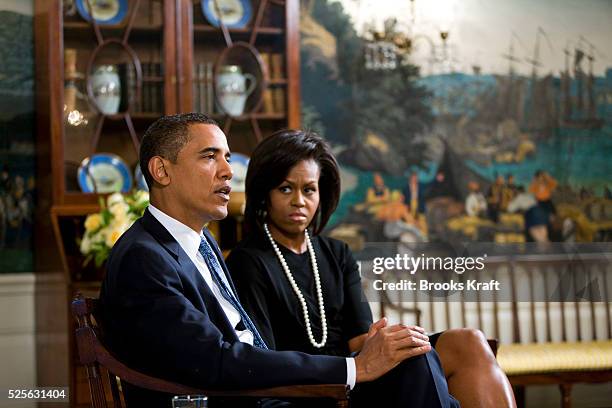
(189, 240)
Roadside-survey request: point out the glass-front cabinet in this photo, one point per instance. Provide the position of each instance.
(106, 69)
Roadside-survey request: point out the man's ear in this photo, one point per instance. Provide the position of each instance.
(157, 169)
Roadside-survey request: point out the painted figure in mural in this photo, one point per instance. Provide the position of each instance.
(16, 209)
(378, 192)
(475, 202)
(535, 218)
(414, 195)
(510, 191)
(542, 186)
(399, 223)
(438, 187)
(284, 274)
(495, 197)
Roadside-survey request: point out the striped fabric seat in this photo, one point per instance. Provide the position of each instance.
(540, 358)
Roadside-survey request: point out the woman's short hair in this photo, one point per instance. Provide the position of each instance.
(270, 164)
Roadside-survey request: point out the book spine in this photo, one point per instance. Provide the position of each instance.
(203, 106)
(268, 101)
(159, 90)
(277, 66)
(265, 59)
(130, 84)
(278, 94)
(153, 87)
(146, 87)
(210, 92)
(195, 88)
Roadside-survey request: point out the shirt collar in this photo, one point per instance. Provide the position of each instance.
(187, 238)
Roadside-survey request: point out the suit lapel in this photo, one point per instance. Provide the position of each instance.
(161, 234)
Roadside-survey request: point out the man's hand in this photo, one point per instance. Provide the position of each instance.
(387, 346)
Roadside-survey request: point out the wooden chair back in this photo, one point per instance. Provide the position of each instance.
(97, 359)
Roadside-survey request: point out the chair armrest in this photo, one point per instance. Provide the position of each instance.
(334, 391)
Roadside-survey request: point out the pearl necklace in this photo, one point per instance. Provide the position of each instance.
(298, 292)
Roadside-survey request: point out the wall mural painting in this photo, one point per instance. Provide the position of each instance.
(17, 139)
(454, 121)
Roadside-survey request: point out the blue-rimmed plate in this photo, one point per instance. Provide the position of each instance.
(139, 179)
(240, 164)
(106, 12)
(234, 13)
(104, 173)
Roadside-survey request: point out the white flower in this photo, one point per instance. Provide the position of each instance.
(119, 209)
(85, 244)
(102, 231)
(141, 197)
(114, 198)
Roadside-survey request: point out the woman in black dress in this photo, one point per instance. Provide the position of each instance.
(303, 290)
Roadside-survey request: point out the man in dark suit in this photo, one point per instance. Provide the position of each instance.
(169, 307)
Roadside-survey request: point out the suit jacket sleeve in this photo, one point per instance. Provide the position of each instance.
(155, 327)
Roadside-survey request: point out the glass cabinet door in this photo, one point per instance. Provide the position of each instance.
(119, 76)
(237, 73)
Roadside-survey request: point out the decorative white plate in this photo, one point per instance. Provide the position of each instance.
(106, 12)
(139, 179)
(234, 13)
(240, 164)
(104, 173)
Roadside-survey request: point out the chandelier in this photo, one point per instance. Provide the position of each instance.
(393, 46)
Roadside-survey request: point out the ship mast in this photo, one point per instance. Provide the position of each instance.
(535, 61)
(566, 85)
(590, 83)
(510, 55)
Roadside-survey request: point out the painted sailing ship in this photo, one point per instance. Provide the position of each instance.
(579, 110)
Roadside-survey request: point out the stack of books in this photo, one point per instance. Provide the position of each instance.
(274, 95)
(151, 92)
(203, 88)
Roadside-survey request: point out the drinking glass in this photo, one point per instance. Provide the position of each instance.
(190, 401)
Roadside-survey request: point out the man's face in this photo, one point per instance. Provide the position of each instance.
(199, 180)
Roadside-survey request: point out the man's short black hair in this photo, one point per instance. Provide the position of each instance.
(166, 137)
(270, 164)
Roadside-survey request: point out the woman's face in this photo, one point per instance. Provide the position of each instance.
(295, 201)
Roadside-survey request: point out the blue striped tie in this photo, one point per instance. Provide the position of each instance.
(215, 271)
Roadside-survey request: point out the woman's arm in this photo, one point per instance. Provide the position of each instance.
(356, 343)
(357, 316)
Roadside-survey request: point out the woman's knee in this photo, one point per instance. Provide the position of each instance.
(466, 344)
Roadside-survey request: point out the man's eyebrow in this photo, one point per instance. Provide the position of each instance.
(213, 150)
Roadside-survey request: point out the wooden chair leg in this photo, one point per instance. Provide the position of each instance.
(566, 395)
(519, 396)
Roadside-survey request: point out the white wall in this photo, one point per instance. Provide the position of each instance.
(17, 335)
